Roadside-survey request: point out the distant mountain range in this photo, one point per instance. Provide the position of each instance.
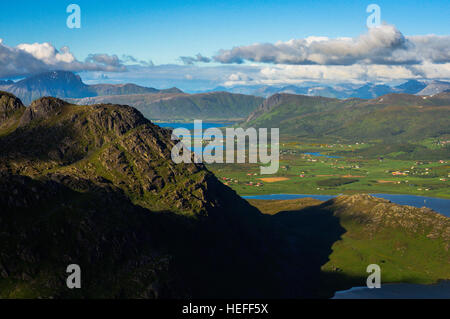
(343, 91)
(65, 84)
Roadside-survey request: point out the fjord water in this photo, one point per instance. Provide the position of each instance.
(190, 127)
(441, 290)
(439, 205)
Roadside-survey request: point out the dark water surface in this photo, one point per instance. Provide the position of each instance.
(440, 290)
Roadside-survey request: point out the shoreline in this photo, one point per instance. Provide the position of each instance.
(433, 203)
(359, 292)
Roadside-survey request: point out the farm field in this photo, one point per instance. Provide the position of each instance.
(330, 169)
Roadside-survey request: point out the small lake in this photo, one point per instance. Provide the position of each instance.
(440, 290)
(439, 205)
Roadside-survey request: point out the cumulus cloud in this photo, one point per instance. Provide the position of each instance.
(295, 74)
(189, 60)
(25, 59)
(384, 45)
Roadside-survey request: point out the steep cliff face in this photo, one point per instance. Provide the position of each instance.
(96, 186)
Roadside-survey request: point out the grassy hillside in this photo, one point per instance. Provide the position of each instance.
(393, 117)
(411, 245)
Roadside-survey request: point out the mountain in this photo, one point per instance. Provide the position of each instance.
(64, 84)
(124, 89)
(95, 186)
(435, 87)
(370, 91)
(11, 109)
(392, 117)
(410, 87)
(58, 83)
(268, 90)
(176, 106)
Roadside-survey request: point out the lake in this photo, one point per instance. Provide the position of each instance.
(439, 205)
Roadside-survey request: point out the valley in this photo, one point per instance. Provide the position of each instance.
(339, 173)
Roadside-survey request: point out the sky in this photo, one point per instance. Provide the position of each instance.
(199, 44)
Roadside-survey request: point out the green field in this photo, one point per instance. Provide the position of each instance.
(353, 171)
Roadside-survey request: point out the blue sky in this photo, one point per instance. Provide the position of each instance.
(162, 31)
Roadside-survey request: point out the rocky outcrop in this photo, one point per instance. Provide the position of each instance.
(10, 108)
(378, 213)
(268, 104)
(42, 108)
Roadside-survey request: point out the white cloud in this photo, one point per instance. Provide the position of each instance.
(299, 73)
(380, 45)
(25, 59)
(47, 53)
